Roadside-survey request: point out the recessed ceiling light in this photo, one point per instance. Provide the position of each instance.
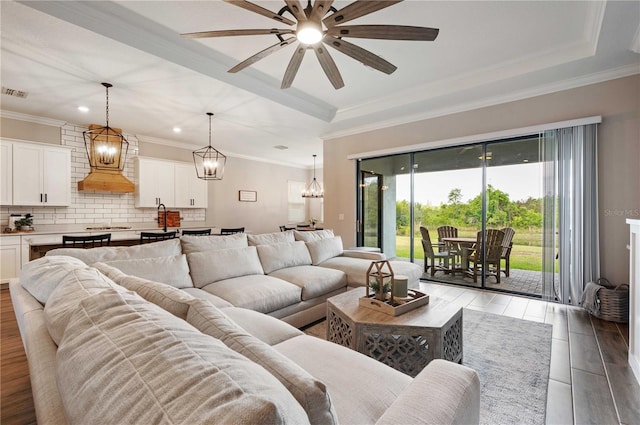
(177, 129)
(83, 109)
(281, 147)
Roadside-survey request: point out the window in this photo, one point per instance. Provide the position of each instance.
(296, 205)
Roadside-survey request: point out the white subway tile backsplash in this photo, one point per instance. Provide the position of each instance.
(95, 207)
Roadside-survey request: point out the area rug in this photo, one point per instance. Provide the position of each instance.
(512, 358)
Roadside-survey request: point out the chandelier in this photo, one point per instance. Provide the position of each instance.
(209, 162)
(106, 146)
(314, 190)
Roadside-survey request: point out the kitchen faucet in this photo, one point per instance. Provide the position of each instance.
(164, 229)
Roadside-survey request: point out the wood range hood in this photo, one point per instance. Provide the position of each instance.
(106, 181)
(106, 177)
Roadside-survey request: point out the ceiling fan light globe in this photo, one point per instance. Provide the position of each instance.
(309, 32)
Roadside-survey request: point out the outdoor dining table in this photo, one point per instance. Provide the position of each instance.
(465, 245)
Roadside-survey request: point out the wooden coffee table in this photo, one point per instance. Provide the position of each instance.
(407, 342)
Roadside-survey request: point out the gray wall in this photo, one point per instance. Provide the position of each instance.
(618, 101)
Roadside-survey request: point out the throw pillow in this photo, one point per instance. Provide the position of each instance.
(171, 299)
(192, 244)
(323, 249)
(111, 253)
(173, 270)
(211, 266)
(280, 255)
(313, 235)
(271, 238)
(41, 277)
(308, 391)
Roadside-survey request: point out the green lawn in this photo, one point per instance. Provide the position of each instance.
(523, 257)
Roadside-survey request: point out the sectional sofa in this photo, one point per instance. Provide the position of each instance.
(106, 346)
(287, 275)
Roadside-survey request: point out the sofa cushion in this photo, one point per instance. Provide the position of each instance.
(171, 299)
(362, 391)
(172, 270)
(110, 253)
(312, 235)
(314, 281)
(211, 266)
(323, 249)
(204, 295)
(41, 277)
(309, 392)
(125, 361)
(266, 328)
(77, 285)
(256, 292)
(280, 255)
(270, 238)
(209, 243)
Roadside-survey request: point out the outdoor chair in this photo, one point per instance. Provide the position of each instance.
(430, 256)
(448, 232)
(89, 241)
(507, 244)
(493, 249)
(147, 237)
(203, 232)
(232, 231)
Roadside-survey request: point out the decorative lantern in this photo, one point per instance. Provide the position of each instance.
(106, 146)
(380, 280)
(209, 161)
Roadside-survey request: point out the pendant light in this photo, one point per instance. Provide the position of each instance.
(314, 190)
(106, 146)
(209, 162)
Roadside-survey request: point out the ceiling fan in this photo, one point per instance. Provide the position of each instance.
(320, 23)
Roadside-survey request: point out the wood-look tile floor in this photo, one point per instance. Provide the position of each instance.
(590, 381)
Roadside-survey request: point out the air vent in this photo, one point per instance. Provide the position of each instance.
(281, 147)
(14, 92)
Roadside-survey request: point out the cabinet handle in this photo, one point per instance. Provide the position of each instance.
(45, 197)
(41, 197)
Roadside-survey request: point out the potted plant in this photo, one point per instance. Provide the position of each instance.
(25, 223)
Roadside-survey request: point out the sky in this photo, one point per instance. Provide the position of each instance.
(520, 181)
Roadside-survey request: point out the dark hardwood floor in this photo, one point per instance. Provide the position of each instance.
(16, 402)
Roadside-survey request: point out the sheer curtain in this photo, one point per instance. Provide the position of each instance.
(571, 155)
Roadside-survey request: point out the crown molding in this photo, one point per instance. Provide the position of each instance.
(611, 74)
(593, 23)
(31, 118)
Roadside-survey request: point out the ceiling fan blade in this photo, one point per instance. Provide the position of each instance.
(356, 10)
(229, 33)
(328, 66)
(360, 54)
(320, 8)
(292, 68)
(296, 9)
(261, 55)
(260, 11)
(385, 32)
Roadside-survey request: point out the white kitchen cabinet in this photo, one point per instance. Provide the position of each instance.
(6, 174)
(41, 175)
(190, 191)
(10, 263)
(155, 183)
